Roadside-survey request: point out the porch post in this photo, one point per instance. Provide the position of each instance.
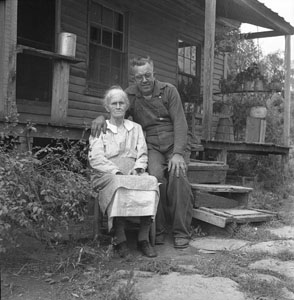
(8, 36)
(287, 97)
(210, 10)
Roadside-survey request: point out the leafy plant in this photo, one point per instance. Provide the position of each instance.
(43, 191)
(226, 39)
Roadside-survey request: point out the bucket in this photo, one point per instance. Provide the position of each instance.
(225, 130)
(67, 44)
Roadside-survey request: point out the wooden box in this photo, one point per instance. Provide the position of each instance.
(207, 172)
(255, 130)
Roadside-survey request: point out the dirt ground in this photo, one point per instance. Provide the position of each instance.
(84, 269)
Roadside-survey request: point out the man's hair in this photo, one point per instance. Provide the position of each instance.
(140, 61)
(109, 93)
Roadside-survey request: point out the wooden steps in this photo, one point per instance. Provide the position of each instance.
(221, 204)
(215, 193)
(221, 217)
(207, 171)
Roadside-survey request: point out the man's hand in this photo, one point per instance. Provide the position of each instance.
(98, 124)
(177, 164)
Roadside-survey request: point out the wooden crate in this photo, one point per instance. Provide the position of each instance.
(207, 172)
(255, 130)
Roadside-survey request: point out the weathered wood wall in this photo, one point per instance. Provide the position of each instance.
(152, 29)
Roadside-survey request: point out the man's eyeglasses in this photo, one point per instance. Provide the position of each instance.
(147, 76)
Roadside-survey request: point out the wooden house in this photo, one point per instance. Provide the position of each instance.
(51, 87)
(61, 94)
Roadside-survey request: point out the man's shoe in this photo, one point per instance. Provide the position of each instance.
(159, 239)
(121, 249)
(181, 243)
(146, 249)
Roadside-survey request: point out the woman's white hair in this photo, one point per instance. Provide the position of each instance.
(114, 90)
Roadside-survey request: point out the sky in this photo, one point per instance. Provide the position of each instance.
(285, 9)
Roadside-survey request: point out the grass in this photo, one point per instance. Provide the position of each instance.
(162, 267)
(255, 286)
(254, 233)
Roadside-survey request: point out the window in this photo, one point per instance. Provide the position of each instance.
(106, 48)
(35, 28)
(188, 74)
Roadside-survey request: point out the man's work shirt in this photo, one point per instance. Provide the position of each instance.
(161, 117)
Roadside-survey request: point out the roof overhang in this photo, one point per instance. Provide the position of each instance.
(255, 13)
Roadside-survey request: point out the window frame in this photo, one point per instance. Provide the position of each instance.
(197, 75)
(99, 90)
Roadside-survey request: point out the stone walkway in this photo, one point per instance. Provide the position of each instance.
(192, 286)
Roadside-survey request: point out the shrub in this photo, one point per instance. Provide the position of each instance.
(42, 191)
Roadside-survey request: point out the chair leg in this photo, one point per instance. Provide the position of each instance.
(152, 233)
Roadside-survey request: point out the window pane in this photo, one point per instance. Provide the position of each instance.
(181, 51)
(96, 13)
(193, 68)
(193, 54)
(187, 66)
(95, 34)
(107, 17)
(117, 41)
(104, 74)
(181, 63)
(118, 22)
(107, 38)
(187, 52)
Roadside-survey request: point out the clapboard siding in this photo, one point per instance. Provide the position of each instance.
(152, 30)
(161, 44)
(74, 18)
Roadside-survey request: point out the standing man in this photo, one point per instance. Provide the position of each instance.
(157, 107)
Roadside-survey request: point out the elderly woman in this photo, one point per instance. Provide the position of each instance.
(120, 159)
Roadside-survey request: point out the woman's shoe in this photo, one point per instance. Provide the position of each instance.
(121, 249)
(146, 249)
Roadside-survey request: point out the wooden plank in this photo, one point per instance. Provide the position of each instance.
(287, 104)
(202, 199)
(262, 131)
(215, 211)
(210, 11)
(2, 59)
(239, 212)
(60, 92)
(8, 60)
(208, 175)
(221, 188)
(220, 217)
(210, 218)
(253, 218)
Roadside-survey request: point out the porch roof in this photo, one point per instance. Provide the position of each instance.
(253, 12)
(244, 11)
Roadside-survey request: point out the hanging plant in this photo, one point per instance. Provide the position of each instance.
(226, 40)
